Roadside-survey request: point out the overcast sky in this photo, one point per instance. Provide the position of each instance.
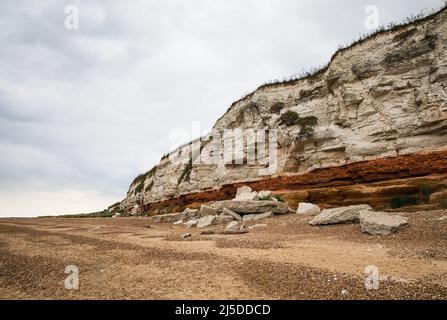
(83, 111)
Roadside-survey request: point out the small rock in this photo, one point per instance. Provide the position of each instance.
(186, 235)
(178, 222)
(228, 212)
(256, 217)
(223, 219)
(243, 190)
(191, 213)
(308, 209)
(344, 292)
(191, 223)
(234, 226)
(206, 221)
(207, 211)
(257, 226)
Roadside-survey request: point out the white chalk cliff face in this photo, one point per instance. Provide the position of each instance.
(382, 97)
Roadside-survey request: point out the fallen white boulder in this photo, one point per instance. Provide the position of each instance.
(339, 215)
(308, 209)
(381, 223)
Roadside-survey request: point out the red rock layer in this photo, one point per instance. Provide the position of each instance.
(401, 167)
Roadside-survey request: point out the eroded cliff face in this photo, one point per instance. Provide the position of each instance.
(382, 98)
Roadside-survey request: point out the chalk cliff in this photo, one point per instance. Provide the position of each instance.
(380, 104)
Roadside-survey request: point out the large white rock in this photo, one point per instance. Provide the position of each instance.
(245, 194)
(206, 221)
(308, 209)
(339, 215)
(256, 217)
(381, 223)
(252, 196)
(252, 207)
(243, 190)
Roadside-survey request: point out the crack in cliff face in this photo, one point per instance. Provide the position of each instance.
(383, 97)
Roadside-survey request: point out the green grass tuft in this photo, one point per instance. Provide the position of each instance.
(277, 107)
(289, 118)
(308, 121)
